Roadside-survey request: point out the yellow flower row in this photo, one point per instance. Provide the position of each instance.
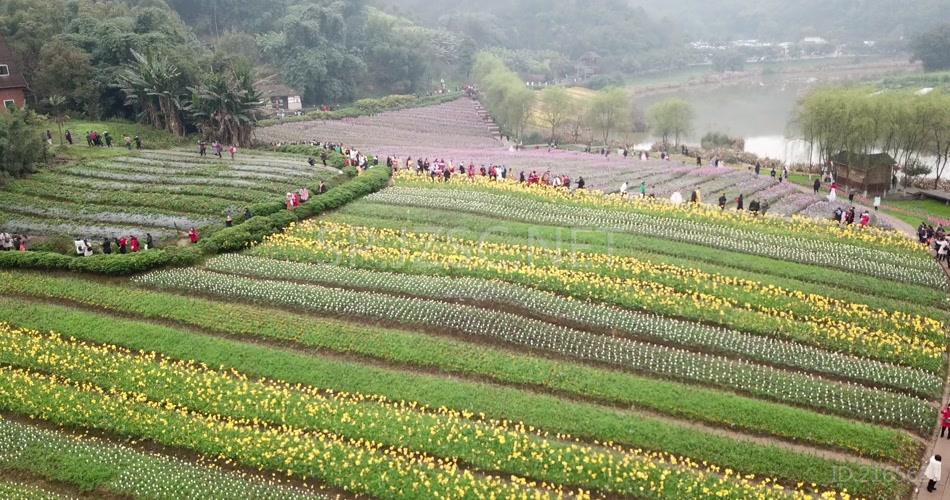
(506, 442)
(802, 226)
(692, 277)
(395, 249)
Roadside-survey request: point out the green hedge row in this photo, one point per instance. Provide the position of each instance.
(225, 240)
(117, 265)
(254, 230)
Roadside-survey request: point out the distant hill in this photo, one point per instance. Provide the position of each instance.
(838, 20)
(613, 35)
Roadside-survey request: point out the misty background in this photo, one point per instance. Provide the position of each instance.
(742, 64)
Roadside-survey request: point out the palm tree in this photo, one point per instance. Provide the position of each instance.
(154, 84)
(224, 105)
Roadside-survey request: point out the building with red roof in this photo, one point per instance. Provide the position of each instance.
(12, 84)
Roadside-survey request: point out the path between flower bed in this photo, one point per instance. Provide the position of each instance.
(901, 226)
(939, 446)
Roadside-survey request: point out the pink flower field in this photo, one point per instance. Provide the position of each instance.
(460, 132)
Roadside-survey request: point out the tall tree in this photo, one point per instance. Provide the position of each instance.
(154, 84)
(609, 112)
(58, 103)
(554, 109)
(21, 144)
(671, 118)
(224, 105)
(65, 70)
(937, 108)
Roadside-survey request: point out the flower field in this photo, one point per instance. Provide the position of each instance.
(465, 339)
(455, 132)
(164, 193)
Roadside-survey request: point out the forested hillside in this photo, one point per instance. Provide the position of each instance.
(332, 51)
(549, 38)
(778, 20)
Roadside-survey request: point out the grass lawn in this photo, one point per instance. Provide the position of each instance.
(915, 211)
(151, 139)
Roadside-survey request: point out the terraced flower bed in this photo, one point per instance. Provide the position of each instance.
(164, 193)
(462, 339)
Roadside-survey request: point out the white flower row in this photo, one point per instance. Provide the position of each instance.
(99, 213)
(852, 400)
(160, 179)
(146, 165)
(650, 327)
(141, 475)
(58, 180)
(91, 230)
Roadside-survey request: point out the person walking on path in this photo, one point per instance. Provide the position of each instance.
(817, 186)
(945, 421)
(933, 473)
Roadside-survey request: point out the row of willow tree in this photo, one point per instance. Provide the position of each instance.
(912, 127)
(609, 116)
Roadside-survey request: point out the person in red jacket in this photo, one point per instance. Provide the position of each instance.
(134, 243)
(193, 235)
(945, 421)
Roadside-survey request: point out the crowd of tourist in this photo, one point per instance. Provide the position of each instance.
(95, 139)
(216, 149)
(936, 239)
(13, 242)
(122, 244)
(352, 157)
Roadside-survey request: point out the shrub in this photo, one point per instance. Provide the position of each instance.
(715, 140)
(21, 145)
(115, 264)
(269, 218)
(254, 230)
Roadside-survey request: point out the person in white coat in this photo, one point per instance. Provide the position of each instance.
(623, 189)
(933, 473)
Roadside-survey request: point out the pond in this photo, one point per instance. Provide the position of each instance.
(758, 112)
